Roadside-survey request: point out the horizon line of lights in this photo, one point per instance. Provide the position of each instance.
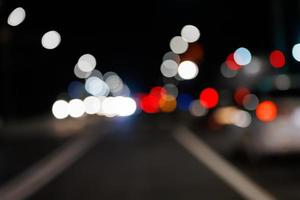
(103, 106)
(97, 88)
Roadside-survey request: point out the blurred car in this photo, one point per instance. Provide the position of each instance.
(281, 136)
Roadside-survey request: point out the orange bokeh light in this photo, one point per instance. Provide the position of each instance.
(167, 103)
(266, 111)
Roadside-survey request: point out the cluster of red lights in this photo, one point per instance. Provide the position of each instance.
(149, 103)
(156, 101)
(266, 111)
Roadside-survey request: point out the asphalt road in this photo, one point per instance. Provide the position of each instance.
(140, 159)
(140, 162)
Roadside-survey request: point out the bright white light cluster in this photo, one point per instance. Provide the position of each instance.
(189, 34)
(242, 56)
(85, 66)
(178, 45)
(106, 106)
(114, 82)
(188, 70)
(97, 84)
(16, 17)
(87, 63)
(117, 106)
(99, 87)
(51, 39)
(171, 66)
(296, 52)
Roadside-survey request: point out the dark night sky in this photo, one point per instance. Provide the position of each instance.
(129, 38)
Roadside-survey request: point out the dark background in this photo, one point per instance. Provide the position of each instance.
(130, 38)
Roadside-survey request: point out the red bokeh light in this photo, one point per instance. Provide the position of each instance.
(149, 103)
(266, 111)
(209, 98)
(277, 59)
(231, 64)
(240, 94)
(158, 91)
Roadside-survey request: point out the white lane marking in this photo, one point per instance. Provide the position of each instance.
(41, 173)
(221, 167)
